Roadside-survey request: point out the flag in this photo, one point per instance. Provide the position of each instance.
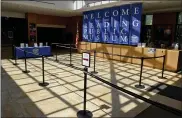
(77, 37)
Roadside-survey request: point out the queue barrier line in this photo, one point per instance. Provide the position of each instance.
(66, 47)
(162, 106)
(157, 104)
(64, 44)
(61, 44)
(141, 58)
(76, 48)
(27, 71)
(111, 54)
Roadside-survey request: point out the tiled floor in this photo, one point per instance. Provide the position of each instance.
(63, 97)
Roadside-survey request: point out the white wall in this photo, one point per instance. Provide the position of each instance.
(12, 14)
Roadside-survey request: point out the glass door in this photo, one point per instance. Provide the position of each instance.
(179, 35)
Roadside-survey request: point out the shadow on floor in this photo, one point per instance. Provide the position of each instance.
(169, 90)
(15, 103)
(155, 112)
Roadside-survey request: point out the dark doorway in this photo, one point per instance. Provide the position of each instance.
(16, 25)
(13, 32)
(54, 35)
(50, 35)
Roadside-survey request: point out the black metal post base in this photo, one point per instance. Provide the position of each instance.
(86, 114)
(26, 71)
(43, 84)
(71, 64)
(140, 86)
(160, 77)
(94, 72)
(56, 60)
(15, 64)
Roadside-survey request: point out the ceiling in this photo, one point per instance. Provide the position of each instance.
(149, 6)
(22, 8)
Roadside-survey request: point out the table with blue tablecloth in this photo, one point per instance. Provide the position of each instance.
(33, 52)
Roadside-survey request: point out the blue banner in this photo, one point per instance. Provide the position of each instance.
(106, 20)
(85, 26)
(98, 26)
(117, 25)
(114, 34)
(135, 26)
(124, 24)
(91, 27)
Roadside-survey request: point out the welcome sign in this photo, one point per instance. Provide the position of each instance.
(116, 25)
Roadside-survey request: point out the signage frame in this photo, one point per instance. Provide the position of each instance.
(88, 59)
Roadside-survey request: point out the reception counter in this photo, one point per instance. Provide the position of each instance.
(173, 60)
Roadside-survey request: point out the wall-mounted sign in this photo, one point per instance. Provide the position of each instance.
(151, 50)
(86, 59)
(117, 25)
(32, 29)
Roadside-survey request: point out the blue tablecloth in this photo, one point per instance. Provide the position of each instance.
(45, 50)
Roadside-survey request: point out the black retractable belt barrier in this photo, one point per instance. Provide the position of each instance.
(15, 56)
(56, 53)
(164, 59)
(140, 86)
(43, 83)
(80, 114)
(25, 71)
(94, 72)
(85, 113)
(70, 55)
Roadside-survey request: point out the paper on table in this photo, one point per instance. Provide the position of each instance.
(35, 45)
(40, 44)
(26, 45)
(22, 45)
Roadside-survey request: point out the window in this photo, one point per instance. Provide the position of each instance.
(92, 4)
(180, 18)
(148, 19)
(113, 1)
(97, 3)
(79, 4)
(105, 2)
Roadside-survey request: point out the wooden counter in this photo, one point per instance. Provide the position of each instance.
(159, 61)
(173, 60)
(173, 57)
(117, 51)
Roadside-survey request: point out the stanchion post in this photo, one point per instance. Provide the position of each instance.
(70, 55)
(164, 58)
(94, 72)
(85, 113)
(140, 86)
(163, 66)
(43, 82)
(85, 87)
(25, 71)
(56, 53)
(14, 52)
